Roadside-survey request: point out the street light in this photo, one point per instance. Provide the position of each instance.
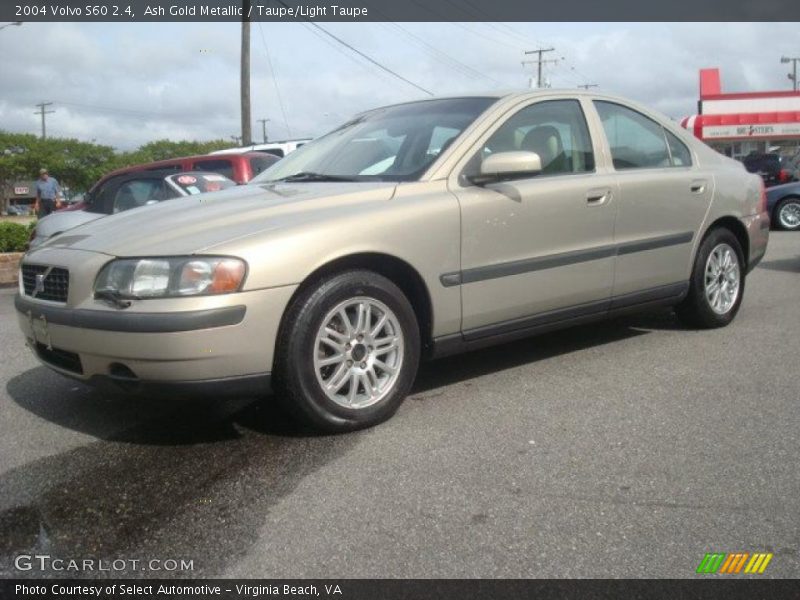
(14, 24)
(793, 74)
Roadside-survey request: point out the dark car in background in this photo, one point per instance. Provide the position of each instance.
(773, 168)
(783, 204)
(126, 191)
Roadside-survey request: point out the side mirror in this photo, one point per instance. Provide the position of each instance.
(508, 165)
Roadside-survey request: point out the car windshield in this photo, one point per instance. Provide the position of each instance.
(396, 143)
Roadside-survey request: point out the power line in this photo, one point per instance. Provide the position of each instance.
(360, 53)
(370, 59)
(447, 59)
(275, 82)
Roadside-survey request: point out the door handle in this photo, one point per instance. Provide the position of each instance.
(598, 196)
(698, 186)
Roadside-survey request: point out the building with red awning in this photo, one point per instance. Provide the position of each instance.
(738, 124)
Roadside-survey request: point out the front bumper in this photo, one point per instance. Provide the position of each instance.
(223, 346)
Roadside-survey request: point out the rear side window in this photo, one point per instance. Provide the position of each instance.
(681, 157)
(223, 167)
(638, 142)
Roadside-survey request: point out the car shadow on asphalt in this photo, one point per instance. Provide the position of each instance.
(463, 367)
(790, 265)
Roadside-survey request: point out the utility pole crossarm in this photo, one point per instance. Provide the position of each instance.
(44, 112)
(793, 74)
(539, 61)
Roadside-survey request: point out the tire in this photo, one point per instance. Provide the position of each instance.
(787, 214)
(703, 308)
(320, 359)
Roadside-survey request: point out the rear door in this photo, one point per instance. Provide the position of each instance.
(663, 199)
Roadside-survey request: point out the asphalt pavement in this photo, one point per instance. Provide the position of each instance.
(624, 449)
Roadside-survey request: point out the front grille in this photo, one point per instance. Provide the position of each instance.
(69, 361)
(56, 282)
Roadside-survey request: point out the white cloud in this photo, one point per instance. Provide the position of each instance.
(124, 85)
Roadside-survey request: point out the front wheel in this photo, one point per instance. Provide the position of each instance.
(787, 214)
(717, 283)
(347, 353)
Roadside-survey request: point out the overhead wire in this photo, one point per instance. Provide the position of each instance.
(274, 80)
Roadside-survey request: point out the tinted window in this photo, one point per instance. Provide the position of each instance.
(259, 163)
(176, 167)
(223, 167)
(555, 130)
(636, 141)
(140, 192)
(681, 157)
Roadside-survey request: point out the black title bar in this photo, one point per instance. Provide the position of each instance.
(131, 11)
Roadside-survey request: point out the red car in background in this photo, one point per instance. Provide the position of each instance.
(241, 168)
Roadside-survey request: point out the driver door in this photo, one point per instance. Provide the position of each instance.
(538, 248)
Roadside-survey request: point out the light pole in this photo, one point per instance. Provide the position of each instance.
(793, 74)
(14, 24)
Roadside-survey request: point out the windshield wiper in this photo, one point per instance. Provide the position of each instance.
(310, 176)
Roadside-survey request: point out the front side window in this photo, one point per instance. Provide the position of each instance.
(636, 141)
(396, 143)
(555, 130)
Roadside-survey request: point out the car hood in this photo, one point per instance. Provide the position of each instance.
(780, 190)
(59, 222)
(192, 224)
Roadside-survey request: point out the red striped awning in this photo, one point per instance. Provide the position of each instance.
(767, 125)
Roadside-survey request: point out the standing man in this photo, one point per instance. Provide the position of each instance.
(47, 193)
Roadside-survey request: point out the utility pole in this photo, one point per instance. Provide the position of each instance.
(586, 86)
(264, 128)
(539, 61)
(44, 112)
(247, 133)
(793, 74)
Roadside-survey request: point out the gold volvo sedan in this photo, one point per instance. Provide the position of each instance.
(412, 231)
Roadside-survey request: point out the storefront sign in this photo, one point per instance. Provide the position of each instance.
(774, 131)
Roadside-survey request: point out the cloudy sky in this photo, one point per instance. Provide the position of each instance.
(127, 84)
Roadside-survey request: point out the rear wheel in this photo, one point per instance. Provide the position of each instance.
(787, 214)
(348, 352)
(717, 282)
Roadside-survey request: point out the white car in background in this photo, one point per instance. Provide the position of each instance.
(130, 190)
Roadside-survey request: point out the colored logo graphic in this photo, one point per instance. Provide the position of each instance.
(734, 563)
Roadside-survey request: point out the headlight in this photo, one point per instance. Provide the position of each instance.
(171, 277)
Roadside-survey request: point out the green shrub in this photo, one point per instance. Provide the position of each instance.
(13, 237)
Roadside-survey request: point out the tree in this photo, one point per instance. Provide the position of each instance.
(78, 165)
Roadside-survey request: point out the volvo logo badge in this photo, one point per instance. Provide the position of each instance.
(39, 283)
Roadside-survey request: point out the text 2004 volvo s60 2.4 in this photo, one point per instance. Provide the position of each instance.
(415, 230)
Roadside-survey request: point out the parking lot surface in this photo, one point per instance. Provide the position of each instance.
(623, 449)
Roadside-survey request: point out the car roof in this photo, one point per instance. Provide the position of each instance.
(153, 166)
